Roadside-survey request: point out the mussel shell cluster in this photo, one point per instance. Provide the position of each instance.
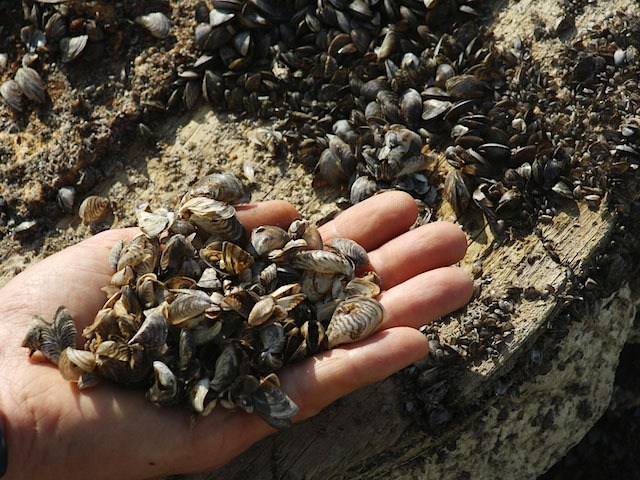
(368, 92)
(68, 31)
(350, 78)
(27, 84)
(199, 313)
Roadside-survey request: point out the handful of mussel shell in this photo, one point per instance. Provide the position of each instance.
(200, 315)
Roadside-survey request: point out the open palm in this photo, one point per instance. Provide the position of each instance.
(55, 431)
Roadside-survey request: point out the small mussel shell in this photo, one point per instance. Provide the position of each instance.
(198, 394)
(88, 380)
(350, 249)
(140, 254)
(73, 363)
(33, 338)
(164, 390)
(153, 331)
(465, 86)
(322, 262)
(266, 310)
(315, 337)
(187, 306)
(72, 47)
(173, 255)
(361, 287)
(51, 338)
(363, 187)
(31, 84)
(273, 405)
(209, 279)
(235, 260)
(267, 238)
(226, 369)
(354, 319)
(262, 311)
(313, 238)
(152, 224)
(456, 191)
(94, 208)
(12, 95)
(56, 27)
(156, 23)
(66, 198)
(223, 187)
(215, 218)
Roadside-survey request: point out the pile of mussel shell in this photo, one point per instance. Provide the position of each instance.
(199, 314)
(60, 33)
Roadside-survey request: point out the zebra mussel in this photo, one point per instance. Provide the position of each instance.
(201, 314)
(70, 32)
(369, 94)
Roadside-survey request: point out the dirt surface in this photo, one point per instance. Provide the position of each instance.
(104, 130)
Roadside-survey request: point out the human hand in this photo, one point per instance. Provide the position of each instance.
(55, 431)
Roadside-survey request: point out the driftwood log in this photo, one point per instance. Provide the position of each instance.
(515, 414)
(518, 412)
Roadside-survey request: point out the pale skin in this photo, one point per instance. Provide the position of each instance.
(55, 431)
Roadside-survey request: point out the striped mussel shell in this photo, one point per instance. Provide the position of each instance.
(223, 187)
(31, 84)
(350, 249)
(235, 259)
(266, 238)
(215, 218)
(188, 306)
(73, 363)
(141, 254)
(94, 208)
(153, 331)
(322, 261)
(56, 27)
(12, 95)
(51, 338)
(353, 320)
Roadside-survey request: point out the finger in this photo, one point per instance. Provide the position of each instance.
(427, 247)
(270, 212)
(318, 381)
(426, 297)
(375, 220)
